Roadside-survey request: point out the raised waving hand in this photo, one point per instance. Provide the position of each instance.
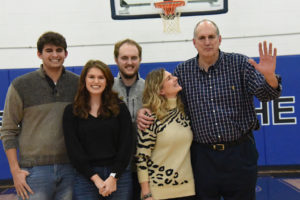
(267, 63)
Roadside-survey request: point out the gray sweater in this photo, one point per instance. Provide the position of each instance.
(134, 99)
(32, 119)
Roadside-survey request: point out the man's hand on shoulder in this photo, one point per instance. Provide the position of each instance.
(143, 119)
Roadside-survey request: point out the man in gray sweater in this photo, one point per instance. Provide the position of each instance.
(130, 86)
(32, 123)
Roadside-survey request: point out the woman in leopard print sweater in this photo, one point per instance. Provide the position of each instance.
(163, 149)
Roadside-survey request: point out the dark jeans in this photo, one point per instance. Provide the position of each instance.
(84, 189)
(230, 174)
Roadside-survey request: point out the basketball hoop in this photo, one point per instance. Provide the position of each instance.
(169, 15)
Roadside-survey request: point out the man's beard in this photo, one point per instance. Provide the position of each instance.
(129, 76)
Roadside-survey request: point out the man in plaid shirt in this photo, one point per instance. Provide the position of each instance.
(218, 91)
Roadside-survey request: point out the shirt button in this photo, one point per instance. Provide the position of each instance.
(216, 124)
(211, 99)
(214, 111)
(210, 87)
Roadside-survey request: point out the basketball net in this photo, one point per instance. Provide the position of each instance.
(169, 15)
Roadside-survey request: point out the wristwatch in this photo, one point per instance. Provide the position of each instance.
(113, 174)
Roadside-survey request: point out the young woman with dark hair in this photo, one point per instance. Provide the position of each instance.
(98, 136)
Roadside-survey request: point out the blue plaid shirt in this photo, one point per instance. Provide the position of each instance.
(220, 102)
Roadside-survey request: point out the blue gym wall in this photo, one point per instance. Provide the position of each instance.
(278, 138)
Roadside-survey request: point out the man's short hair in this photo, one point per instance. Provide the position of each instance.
(51, 38)
(206, 20)
(127, 41)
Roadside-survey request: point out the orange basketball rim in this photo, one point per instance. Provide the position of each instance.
(169, 7)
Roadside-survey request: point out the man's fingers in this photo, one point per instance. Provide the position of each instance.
(26, 194)
(252, 62)
(144, 122)
(147, 120)
(22, 196)
(265, 48)
(275, 53)
(260, 49)
(22, 193)
(142, 125)
(144, 119)
(270, 49)
(28, 188)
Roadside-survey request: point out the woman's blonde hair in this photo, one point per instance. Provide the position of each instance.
(152, 99)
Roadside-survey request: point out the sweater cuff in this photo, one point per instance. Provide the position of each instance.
(117, 171)
(143, 175)
(9, 144)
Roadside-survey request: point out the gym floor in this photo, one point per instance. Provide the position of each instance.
(271, 185)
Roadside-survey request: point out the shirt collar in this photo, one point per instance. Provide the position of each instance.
(48, 79)
(216, 65)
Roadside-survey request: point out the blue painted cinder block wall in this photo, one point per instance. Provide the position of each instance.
(278, 138)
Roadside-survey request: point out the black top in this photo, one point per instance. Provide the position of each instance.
(96, 141)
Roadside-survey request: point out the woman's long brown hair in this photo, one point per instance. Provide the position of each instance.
(109, 99)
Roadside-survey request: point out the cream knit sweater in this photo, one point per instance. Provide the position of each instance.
(163, 156)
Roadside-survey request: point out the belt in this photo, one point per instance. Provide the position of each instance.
(222, 146)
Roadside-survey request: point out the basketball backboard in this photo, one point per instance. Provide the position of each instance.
(137, 9)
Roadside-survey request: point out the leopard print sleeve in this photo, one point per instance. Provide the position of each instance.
(145, 144)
